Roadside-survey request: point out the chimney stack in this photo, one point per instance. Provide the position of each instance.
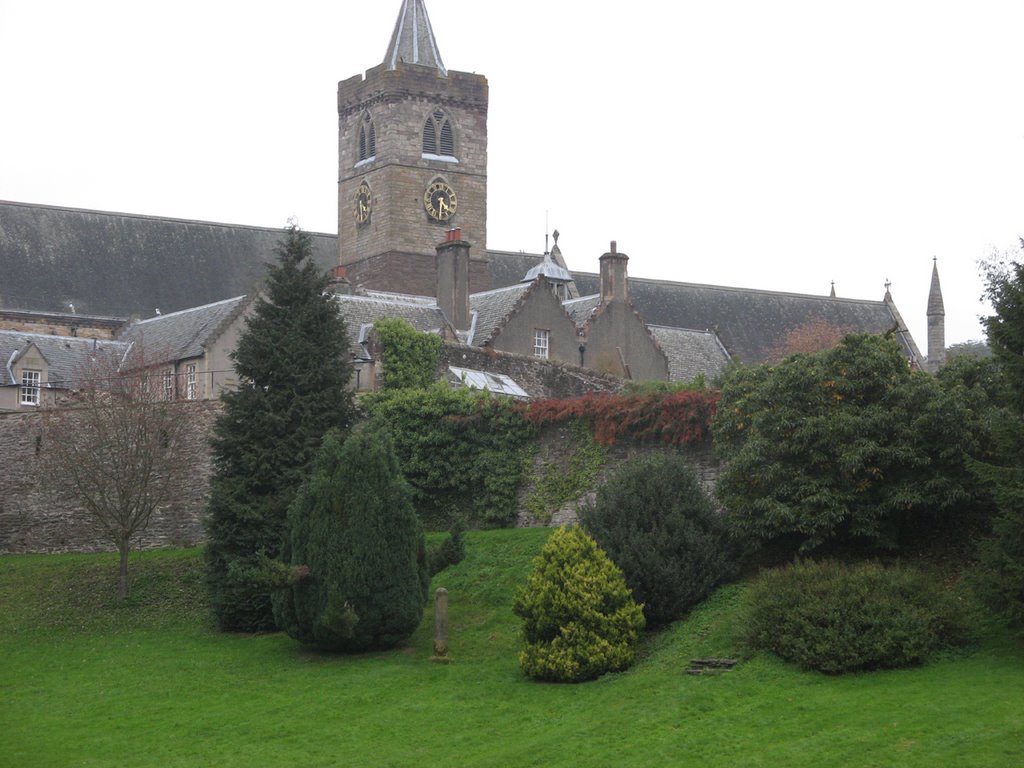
(614, 284)
(339, 283)
(453, 279)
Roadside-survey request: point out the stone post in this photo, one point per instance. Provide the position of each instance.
(440, 625)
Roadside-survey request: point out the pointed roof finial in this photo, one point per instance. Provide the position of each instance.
(833, 293)
(413, 41)
(888, 285)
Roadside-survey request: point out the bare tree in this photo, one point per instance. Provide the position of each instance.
(115, 449)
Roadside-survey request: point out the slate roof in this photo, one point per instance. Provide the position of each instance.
(691, 353)
(412, 40)
(183, 334)
(582, 308)
(751, 323)
(360, 312)
(120, 264)
(68, 356)
(492, 308)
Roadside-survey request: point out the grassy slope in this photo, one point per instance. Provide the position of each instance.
(86, 682)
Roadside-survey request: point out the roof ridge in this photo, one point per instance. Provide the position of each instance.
(179, 312)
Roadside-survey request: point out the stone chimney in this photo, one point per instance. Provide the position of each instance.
(614, 284)
(339, 283)
(453, 279)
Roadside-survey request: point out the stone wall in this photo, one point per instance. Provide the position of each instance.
(554, 452)
(32, 521)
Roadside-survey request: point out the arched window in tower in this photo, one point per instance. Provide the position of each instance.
(438, 136)
(367, 140)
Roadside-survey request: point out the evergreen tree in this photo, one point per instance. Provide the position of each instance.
(579, 617)
(658, 525)
(294, 371)
(356, 548)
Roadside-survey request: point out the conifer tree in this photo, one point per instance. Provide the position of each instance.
(356, 547)
(294, 370)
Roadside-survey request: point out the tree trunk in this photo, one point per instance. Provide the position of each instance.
(122, 574)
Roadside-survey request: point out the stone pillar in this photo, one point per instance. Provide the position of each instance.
(440, 625)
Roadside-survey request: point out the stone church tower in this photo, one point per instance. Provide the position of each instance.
(412, 163)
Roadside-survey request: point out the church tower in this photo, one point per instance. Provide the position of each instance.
(412, 155)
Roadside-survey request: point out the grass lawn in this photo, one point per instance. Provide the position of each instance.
(87, 682)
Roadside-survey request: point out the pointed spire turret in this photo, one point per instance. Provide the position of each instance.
(935, 306)
(936, 323)
(413, 41)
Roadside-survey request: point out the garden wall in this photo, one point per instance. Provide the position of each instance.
(32, 521)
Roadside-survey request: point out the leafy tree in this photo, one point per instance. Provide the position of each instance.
(1002, 554)
(119, 452)
(658, 525)
(294, 371)
(843, 444)
(579, 618)
(1004, 278)
(356, 549)
(410, 358)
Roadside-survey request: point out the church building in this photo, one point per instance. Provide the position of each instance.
(412, 242)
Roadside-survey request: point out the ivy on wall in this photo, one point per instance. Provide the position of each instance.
(410, 358)
(679, 418)
(464, 452)
(558, 483)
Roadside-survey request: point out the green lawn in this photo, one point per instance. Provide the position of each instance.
(85, 682)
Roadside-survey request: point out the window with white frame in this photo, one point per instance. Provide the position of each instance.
(540, 342)
(168, 385)
(30, 385)
(191, 382)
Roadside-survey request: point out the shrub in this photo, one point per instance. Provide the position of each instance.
(658, 525)
(451, 551)
(356, 547)
(842, 618)
(579, 619)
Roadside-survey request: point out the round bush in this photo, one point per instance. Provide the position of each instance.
(579, 619)
(658, 525)
(842, 618)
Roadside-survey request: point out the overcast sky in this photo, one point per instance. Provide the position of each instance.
(779, 145)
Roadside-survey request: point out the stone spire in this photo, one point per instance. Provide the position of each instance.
(936, 323)
(413, 41)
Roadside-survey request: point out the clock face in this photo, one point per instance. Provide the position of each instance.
(440, 201)
(362, 203)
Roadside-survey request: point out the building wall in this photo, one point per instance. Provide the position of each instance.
(82, 326)
(615, 327)
(540, 309)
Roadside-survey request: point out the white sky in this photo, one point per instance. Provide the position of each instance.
(778, 145)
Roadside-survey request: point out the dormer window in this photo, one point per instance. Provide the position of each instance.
(31, 382)
(438, 137)
(367, 140)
